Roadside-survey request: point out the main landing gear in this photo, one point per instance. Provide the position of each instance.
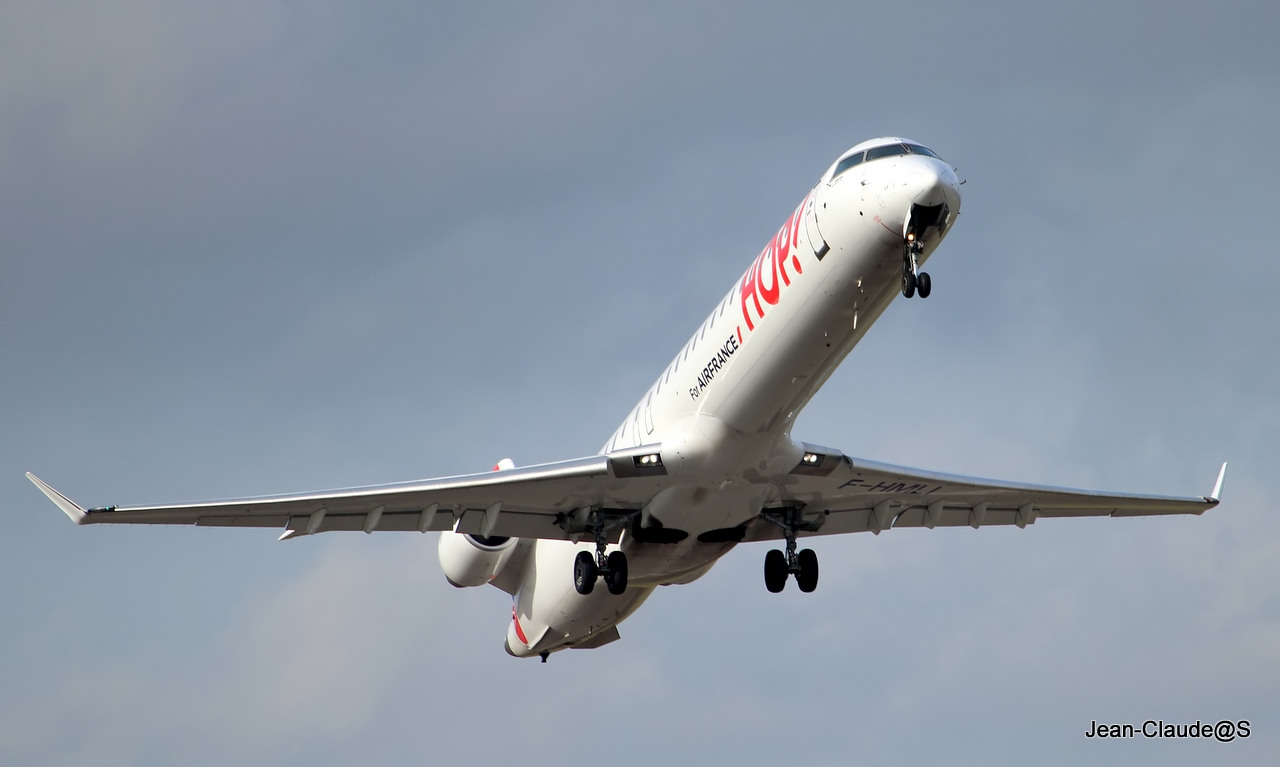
(778, 565)
(588, 567)
(913, 279)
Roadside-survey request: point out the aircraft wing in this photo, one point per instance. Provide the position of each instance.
(837, 494)
(529, 502)
(840, 494)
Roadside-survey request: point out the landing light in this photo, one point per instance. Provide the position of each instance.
(811, 459)
(651, 460)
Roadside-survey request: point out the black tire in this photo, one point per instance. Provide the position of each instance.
(807, 578)
(585, 572)
(924, 284)
(615, 576)
(775, 571)
(908, 284)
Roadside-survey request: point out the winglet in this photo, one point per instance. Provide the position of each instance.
(69, 507)
(1217, 486)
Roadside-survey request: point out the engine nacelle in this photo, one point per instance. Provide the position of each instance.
(473, 560)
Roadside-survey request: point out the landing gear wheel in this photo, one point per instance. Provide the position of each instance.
(775, 571)
(615, 572)
(807, 576)
(908, 284)
(590, 566)
(924, 284)
(585, 572)
(778, 566)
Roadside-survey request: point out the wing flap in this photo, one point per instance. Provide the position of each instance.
(243, 520)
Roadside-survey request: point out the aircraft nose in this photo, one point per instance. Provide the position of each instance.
(932, 196)
(933, 183)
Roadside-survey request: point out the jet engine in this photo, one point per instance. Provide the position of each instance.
(473, 560)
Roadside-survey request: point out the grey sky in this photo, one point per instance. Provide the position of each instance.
(263, 247)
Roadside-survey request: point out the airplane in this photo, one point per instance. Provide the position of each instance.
(705, 460)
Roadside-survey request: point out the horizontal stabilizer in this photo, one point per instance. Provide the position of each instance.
(599, 640)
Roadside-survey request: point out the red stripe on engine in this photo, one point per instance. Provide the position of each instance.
(519, 631)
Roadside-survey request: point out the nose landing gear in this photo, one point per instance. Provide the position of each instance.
(913, 279)
(920, 219)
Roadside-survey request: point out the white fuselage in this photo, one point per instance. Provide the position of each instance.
(722, 411)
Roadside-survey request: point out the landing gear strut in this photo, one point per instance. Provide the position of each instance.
(588, 567)
(912, 278)
(779, 565)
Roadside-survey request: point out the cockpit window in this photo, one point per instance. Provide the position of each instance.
(892, 150)
(879, 152)
(848, 163)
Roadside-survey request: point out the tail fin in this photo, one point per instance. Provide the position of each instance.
(506, 464)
